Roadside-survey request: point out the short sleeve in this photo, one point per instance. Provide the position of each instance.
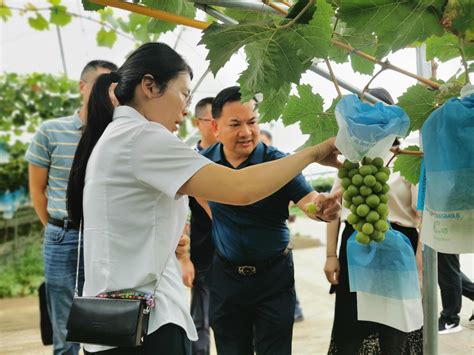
(39, 151)
(162, 161)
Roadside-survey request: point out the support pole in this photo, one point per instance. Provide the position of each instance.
(61, 49)
(430, 257)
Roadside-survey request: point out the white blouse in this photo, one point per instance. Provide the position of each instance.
(134, 216)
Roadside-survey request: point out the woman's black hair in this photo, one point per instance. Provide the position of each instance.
(157, 59)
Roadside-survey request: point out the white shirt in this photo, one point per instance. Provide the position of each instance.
(402, 200)
(134, 216)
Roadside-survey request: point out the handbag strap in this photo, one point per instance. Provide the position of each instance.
(76, 287)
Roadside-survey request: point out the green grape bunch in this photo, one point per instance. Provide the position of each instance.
(365, 194)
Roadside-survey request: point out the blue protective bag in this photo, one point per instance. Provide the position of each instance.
(448, 145)
(366, 129)
(385, 277)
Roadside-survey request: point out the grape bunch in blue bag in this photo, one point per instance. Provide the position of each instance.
(365, 194)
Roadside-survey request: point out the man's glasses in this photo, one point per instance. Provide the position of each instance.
(204, 119)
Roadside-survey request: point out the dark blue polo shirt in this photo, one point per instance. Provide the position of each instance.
(257, 232)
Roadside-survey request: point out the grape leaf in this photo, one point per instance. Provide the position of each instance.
(39, 22)
(246, 16)
(395, 23)
(307, 109)
(273, 103)
(54, 2)
(90, 6)
(409, 166)
(297, 8)
(59, 16)
(418, 103)
(106, 38)
(447, 47)
(5, 12)
(177, 7)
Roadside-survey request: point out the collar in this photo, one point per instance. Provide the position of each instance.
(78, 124)
(257, 156)
(127, 111)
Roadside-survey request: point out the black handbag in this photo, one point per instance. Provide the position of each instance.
(107, 321)
(46, 328)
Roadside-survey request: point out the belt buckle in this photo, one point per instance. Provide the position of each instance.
(247, 270)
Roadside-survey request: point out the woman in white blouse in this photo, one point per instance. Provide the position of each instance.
(129, 182)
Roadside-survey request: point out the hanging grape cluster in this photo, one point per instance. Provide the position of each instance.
(365, 194)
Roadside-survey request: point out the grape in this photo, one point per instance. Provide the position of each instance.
(378, 162)
(346, 196)
(363, 238)
(373, 201)
(381, 225)
(372, 216)
(350, 165)
(382, 209)
(367, 228)
(365, 170)
(365, 194)
(381, 177)
(365, 191)
(312, 208)
(369, 180)
(353, 172)
(342, 173)
(377, 187)
(363, 210)
(357, 200)
(345, 182)
(357, 179)
(353, 219)
(352, 190)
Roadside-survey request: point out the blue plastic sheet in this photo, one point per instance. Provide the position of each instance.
(366, 129)
(448, 145)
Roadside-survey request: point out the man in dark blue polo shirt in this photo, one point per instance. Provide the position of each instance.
(252, 276)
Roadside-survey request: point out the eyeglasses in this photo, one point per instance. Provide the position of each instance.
(204, 119)
(187, 98)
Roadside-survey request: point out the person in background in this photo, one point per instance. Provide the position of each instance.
(50, 157)
(252, 300)
(349, 335)
(202, 247)
(267, 138)
(453, 284)
(129, 184)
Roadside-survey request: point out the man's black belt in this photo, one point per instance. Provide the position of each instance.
(65, 223)
(252, 269)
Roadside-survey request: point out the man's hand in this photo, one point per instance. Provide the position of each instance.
(331, 269)
(328, 206)
(182, 250)
(187, 269)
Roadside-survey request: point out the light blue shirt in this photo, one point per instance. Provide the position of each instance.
(53, 147)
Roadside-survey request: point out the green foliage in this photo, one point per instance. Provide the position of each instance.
(323, 184)
(106, 38)
(447, 47)
(59, 15)
(418, 102)
(14, 174)
(23, 275)
(409, 166)
(38, 22)
(177, 7)
(5, 12)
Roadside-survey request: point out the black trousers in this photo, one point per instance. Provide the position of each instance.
(453, 285)
(169, 339)
(262, 304)
(200, 313)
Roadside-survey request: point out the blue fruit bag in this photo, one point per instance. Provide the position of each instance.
(366, 129)
(385, 277)
(448, 145)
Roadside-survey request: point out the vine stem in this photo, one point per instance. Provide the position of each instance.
(286, 3)
(366, 87)
(297, 17)
(463, 59)
(333, 78)
(275, 7)
(398, 150)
